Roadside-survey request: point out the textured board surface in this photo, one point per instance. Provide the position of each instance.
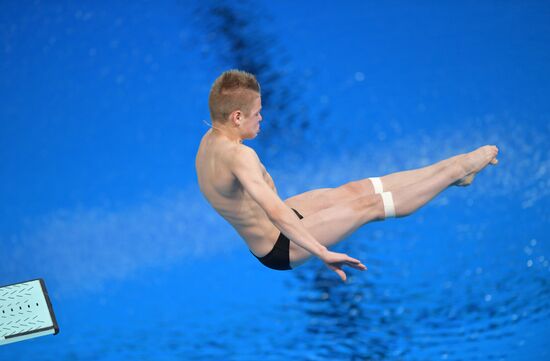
(25, 312)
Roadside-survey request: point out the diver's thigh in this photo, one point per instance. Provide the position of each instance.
(309, 202)
(318, 199)
(333, 224)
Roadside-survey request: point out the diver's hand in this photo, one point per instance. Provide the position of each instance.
(335, 261)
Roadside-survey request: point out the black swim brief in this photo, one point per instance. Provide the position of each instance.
(278, 258)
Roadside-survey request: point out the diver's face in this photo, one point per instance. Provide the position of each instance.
(250, 125)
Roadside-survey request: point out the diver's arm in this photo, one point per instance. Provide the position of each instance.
(246, 167)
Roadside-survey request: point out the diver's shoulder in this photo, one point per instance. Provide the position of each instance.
(244, 151)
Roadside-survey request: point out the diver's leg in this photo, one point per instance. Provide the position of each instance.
(401, 179)
(315, 200)
(330, 225)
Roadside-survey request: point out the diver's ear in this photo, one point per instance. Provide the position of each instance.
(235, 117)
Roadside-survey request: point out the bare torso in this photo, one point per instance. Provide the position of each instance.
(228, 197)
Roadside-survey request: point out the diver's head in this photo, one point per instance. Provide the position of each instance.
(235, 103)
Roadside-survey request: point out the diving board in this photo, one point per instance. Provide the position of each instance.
(25, 312)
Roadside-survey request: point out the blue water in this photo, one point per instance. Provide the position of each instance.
(101, 112)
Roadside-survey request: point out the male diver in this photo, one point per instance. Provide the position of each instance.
(285, 234)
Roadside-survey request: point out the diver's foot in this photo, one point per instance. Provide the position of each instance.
(473, 162)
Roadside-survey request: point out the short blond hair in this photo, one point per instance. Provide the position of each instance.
(231, 91)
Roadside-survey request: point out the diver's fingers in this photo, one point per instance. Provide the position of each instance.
(339, 272)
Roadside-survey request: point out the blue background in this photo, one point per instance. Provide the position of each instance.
(102, 107)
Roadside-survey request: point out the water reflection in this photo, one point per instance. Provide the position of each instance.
(384, 317)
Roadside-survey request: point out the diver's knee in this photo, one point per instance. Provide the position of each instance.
(370, 207)
(354, 188)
